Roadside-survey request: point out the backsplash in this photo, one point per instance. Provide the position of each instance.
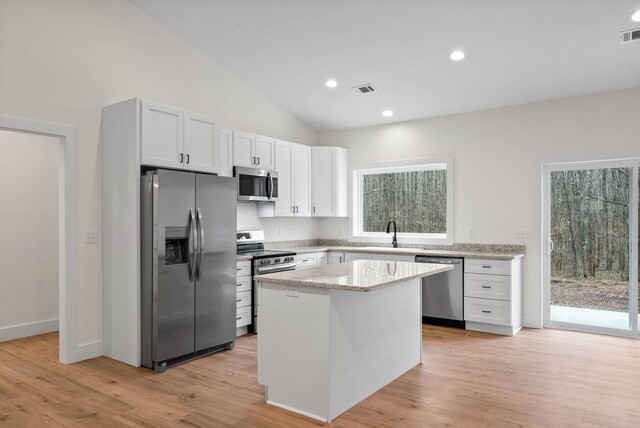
(480, 248)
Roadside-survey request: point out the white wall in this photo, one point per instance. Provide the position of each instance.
(28, 234)
(495, 156)
(61, 61)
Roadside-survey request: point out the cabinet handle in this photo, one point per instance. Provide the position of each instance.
(254, 160)
(238, 268)
(314, 210)
(293, 209)
(187, 159)
(238, 285)
(258, 161)
(181, 157)
(238, 300)
(486, 312)
(486, 267)
(486, 286)
(238, 318)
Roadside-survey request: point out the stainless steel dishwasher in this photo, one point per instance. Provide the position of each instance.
(442, 294)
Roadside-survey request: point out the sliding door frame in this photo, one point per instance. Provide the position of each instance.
(547, 168)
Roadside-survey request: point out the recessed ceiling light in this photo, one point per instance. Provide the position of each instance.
(387, 113)
(331, 83)
(456, 55)
(636, 16)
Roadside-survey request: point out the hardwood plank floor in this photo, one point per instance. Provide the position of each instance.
(546, 378)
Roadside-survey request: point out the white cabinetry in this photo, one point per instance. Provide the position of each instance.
(253, 151)
(226, 152)
(329, 180)
(243, 292)
(493, 295)
(333, 258)
(293, 164)
(174, 138)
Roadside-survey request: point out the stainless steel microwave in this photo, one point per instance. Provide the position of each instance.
(257, 185)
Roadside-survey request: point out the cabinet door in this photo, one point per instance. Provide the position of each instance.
(264, 152)
(284, 162)
(161, 135)
(200, 143)
(323, 179)
(302, 180)
(225, 150)
(243, 143)
(333, 258)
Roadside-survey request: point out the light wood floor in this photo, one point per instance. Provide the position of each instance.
(547, 378)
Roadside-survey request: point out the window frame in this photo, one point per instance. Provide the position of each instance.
(356, 174)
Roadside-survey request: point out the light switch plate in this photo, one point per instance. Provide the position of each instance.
(91, 237)
(472, 232)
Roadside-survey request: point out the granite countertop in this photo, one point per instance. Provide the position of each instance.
(360, 275)
(409, 252)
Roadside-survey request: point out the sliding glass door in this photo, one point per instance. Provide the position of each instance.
(591, 263)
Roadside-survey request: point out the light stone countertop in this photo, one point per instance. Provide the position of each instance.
(240, 257)
(408, 251)
(360, 275)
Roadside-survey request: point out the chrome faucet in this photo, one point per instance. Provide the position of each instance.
(394, 242)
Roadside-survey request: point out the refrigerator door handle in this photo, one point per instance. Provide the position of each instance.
(200, 253)
(193, 237)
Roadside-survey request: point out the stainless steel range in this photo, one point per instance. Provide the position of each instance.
(251, 243)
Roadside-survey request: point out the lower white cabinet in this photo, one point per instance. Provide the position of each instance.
(333, 257)
(493, 295)
(244, 289)
(306, 260)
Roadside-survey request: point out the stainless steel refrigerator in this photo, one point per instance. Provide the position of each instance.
(188, 276)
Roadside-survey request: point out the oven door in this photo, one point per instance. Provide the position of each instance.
(256, 185)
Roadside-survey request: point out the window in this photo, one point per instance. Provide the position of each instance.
(416, 194)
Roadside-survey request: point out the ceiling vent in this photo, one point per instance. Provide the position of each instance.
(364, 89)
(629, 35)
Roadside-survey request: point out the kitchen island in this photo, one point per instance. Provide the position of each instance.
(331, 336)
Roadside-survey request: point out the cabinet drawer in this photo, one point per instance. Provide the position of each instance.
(243, 268)
(243, 283)
(487, 286)
(487, 311)
(243, 298)
(306, 260)
(243, 316)
(492, 267)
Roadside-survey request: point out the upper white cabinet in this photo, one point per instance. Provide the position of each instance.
(253, 151)
(162, 135)
(225, 143)
(174, 138)
(293, 165)
(264, 152)
(200, 143)
(243, 149)
(329, 182)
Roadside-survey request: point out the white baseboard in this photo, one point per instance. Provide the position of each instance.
(29, 329)
(85, 351)
(531, 322)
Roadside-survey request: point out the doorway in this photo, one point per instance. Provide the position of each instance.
(591, 258)
(69, 349)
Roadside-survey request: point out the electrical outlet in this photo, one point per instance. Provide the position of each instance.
(523, 234)
(91, 237)
(472, 232)
(291, 292)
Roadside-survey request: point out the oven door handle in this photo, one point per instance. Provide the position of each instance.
(278, 268)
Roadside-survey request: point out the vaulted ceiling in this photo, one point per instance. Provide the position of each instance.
(517, 51)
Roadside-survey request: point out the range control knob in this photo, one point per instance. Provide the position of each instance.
(277, 261)
(265, 262)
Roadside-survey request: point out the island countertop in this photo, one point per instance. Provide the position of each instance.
(359, 275)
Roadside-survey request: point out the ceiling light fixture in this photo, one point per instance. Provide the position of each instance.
(636, 16)
(456, 55)
(387, 113)
(331, 83)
